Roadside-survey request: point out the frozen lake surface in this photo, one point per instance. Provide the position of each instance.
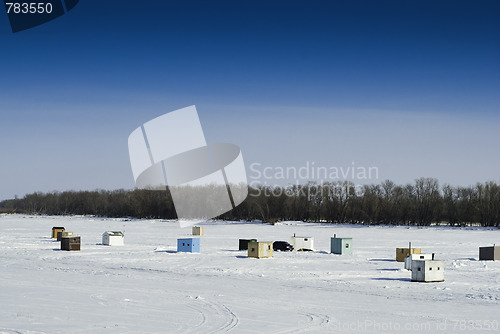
(145, 286)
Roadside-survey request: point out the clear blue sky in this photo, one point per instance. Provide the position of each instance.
(411, 87)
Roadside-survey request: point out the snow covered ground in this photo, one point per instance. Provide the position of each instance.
(146, 287)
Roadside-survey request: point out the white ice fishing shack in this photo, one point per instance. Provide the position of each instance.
(302, 243)
(427, 270)
(113, 238)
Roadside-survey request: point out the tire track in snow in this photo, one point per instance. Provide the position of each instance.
(100, 299)
(16, 331)
(211, 316)
(201, 324)
(234, 319)
(314, 322)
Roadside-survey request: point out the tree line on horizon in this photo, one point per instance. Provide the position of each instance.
(421, 203)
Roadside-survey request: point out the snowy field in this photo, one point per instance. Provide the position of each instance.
(146, 287)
